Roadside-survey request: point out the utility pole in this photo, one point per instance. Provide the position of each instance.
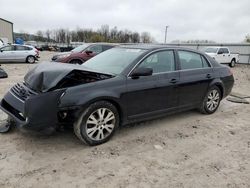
(166, 31)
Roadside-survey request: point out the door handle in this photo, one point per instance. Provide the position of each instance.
(208, 76)
(173, 81)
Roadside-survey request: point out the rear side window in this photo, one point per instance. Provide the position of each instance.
(106, 47)
(191, 60)
(23, 48)
(162, 61)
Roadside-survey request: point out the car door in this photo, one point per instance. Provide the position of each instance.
(7, 53)
(226, 55)
(220, 56)
(152, 94)
(21, 53)
(195, 75)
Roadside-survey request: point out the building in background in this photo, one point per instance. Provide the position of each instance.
(6, 31)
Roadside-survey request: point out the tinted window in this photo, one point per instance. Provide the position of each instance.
(106, 47)
(225, 50)
(96, 49)
(221, 51)
(190, 60)
(23, 48)
(160, 62)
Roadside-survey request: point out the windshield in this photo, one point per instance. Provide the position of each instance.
(211, 50)
(80, 48)
(114, 60)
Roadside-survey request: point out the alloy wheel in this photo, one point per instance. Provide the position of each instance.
(100, 124)
(213, 100)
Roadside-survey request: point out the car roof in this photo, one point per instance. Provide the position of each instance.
(150, 47)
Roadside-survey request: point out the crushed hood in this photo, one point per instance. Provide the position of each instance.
(47, 75)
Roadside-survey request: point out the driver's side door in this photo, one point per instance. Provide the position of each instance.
(7, 53)
(149, 94)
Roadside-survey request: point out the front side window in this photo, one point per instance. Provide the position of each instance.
(191, 60)
(95, 49)
(221, 51)
(225, 51)
(162, 61)
(7, 48)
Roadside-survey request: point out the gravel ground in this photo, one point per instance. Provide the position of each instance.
(182, 150)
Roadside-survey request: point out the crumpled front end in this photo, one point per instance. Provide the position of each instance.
(30, 109)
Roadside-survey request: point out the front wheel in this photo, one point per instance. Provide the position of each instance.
(97, 123)
(211, 101)
(232, 64)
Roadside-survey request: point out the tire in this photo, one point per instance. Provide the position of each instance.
(31, 59)
(211, 101)
(75, 61)
(92, 129)
(232, 64)
(7, 125)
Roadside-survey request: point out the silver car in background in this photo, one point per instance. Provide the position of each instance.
(18, 53)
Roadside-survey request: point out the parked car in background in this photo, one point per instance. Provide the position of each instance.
(223, 55)
(122, 85)
(18, 53)
(3, 74)
(82, 53)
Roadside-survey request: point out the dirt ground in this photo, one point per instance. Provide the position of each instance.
(182, 150)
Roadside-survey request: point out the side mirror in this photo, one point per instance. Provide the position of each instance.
(220, 52)
(88, 52)
(142, 71)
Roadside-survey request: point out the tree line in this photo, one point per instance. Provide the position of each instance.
(104, 34)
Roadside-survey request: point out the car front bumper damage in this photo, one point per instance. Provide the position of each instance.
(35, 111)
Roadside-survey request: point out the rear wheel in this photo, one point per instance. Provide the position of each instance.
(232, 64)
(97, 123)
(211, 101)
(30, 59)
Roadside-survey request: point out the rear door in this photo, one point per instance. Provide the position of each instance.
(21, 53)
(195, 75)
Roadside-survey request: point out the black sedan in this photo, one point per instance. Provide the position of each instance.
(123, 85)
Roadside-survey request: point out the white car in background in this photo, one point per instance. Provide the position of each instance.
(223, 55)
(18, 53)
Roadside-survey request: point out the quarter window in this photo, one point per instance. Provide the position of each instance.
(191, 60)
(162, 61)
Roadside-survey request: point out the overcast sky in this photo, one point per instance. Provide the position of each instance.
(217, 20)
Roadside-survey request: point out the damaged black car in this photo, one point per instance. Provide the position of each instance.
(3, 74)
(123, 85)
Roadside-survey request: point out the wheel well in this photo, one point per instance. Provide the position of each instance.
(234, 59)
(118, 107)
(75, 60)
(221, 89)
(29, 56)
